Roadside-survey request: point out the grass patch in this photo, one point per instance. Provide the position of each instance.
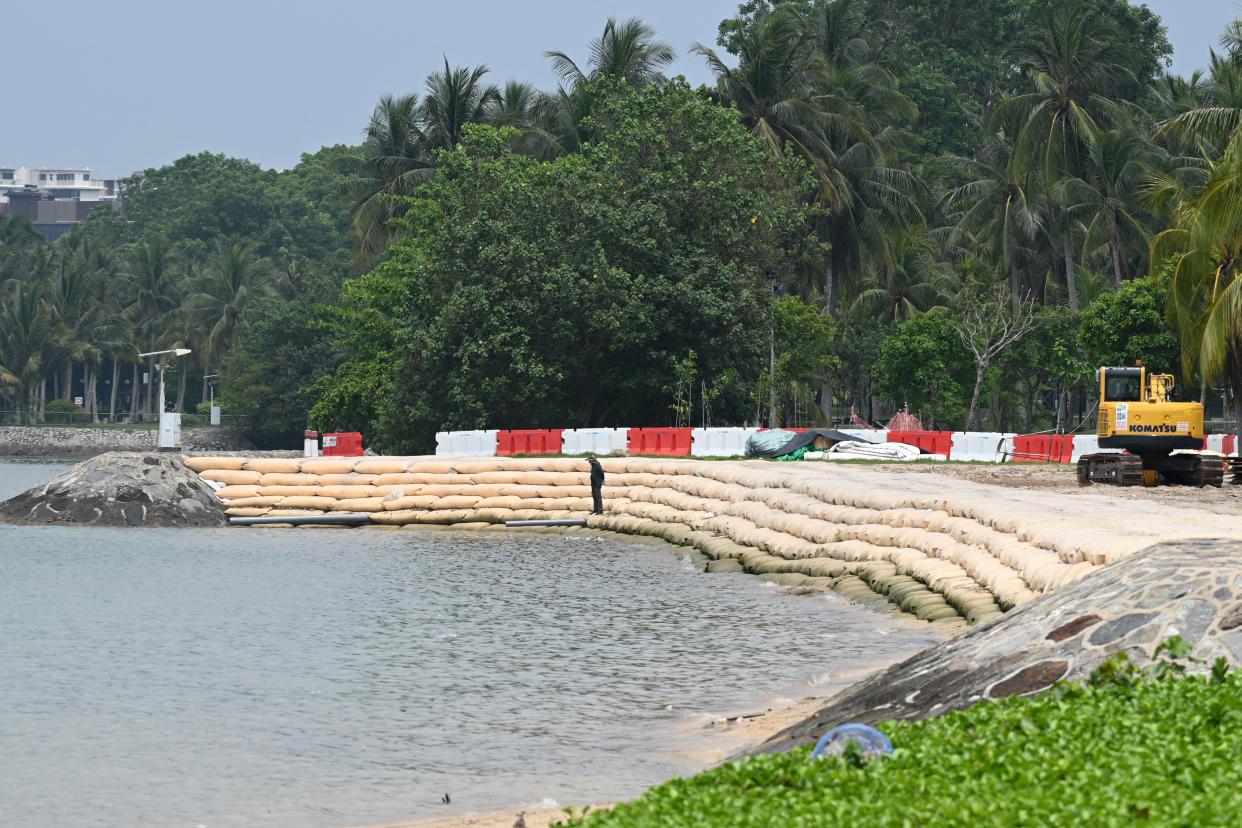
(1126, 749)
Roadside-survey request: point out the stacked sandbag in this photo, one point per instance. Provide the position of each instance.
(930, 554)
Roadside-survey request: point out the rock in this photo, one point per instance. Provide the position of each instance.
(1131, 606)
(121, 489)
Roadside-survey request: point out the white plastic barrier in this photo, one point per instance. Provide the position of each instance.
(1216, 442)
(981, 446)
(594, 440)
(870, 435)
(466, 443)
(719, 442)
(1089, 444)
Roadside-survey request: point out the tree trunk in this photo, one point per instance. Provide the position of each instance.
(1071, 279)
(825, 402)
(88, 391)
(1015, 298)
(184, 373)
(116, 380)
(1116, 264)
(67, 391)
(981, 372)
(133, 395)
(830, 289)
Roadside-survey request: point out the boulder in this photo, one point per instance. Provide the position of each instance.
(121, 489)
(1191, 589)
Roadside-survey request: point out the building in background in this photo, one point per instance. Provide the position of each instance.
(54, 199)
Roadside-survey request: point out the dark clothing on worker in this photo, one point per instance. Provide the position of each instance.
(597, 487)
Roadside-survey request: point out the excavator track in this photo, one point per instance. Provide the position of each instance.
(1209, 472)
(1127, 470)
(1113, 469)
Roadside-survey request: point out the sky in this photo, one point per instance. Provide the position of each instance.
(128, 84)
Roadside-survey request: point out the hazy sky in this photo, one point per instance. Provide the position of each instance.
(128, 84)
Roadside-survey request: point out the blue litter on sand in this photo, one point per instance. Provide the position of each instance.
(869, 740)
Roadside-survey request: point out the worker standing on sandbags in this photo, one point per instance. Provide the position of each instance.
(597, 486)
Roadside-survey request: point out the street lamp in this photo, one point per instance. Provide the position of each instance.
(170, 426)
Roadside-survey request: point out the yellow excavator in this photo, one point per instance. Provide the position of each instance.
(1162, 437)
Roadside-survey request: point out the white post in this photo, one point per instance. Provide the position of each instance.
(310, 443)
(170, 423)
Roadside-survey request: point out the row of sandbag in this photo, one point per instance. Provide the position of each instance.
(773, 519)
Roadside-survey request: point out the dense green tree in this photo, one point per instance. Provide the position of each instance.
(1130, 324)
(541, 294)
(924, 365)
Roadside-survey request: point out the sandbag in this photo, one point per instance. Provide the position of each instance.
(288, 479)
(358, 504)
(328, 465)
(274, 465)
(381, 466)
(344, 492)
(291, 491)
(302, 502)
(234, 492)
(348, 479)
(231, 476)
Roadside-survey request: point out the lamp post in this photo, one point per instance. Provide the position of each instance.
(213, 412)
(170, 424)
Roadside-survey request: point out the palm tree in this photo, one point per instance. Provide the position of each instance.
(153, 293)
(1070, 63)
(807, 82)
(394, 159)
(1107, 196)
(26, 330)
(911, 279)
(1207, 112)
(234, 275)
(522, 107)
(1203, 248)
(455, 97)
(999, 210)
(626, 50)
(774, 83)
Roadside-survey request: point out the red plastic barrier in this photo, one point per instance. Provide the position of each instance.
(1043, 448)
(933, 442)
(667, 442)
(528, 441)
(343, 444)
(1231, 445)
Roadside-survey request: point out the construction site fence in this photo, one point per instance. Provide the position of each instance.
(964, 446)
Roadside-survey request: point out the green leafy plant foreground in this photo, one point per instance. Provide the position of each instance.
(1157, 750)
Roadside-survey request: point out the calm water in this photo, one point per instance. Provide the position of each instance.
(327, 677)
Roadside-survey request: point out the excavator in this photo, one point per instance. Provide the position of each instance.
(1162, 438)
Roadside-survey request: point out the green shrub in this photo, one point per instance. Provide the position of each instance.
(191, 421)
(1128, 748)
(63, 407)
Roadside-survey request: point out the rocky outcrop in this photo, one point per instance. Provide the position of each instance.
(1191, 589)
(85, 441)
(120, 489)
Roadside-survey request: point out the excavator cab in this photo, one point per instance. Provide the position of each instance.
(1159, 438)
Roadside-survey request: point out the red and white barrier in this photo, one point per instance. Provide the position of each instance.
(976, 446)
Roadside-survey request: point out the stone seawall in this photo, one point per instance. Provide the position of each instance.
(85, 441)
(938, 548)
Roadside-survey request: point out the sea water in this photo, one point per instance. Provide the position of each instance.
(229, 677)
